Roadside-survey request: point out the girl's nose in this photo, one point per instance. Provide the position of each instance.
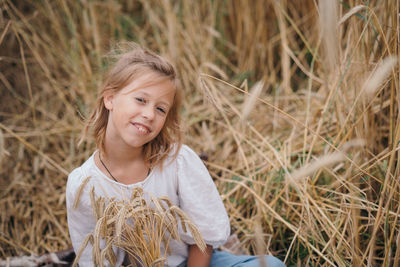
(148, 112)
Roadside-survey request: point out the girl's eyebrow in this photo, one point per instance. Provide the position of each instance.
(148, 95)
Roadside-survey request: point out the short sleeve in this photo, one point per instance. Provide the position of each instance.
(78, 230)
(200, 200)
(81, 220)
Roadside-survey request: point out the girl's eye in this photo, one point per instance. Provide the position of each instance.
(140, 99)
(162, 110)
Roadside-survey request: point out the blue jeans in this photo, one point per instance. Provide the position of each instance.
(226, 259)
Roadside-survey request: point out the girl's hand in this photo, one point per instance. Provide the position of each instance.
(197, 258)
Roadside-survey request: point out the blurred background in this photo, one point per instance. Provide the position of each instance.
(293, 105)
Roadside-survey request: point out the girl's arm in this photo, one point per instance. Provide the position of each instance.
(81, 221)
(200, 200)
(197, 258)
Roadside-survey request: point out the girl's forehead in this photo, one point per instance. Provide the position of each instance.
(155, 86)
(146, 80)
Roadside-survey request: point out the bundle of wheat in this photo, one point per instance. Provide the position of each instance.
(143, 228)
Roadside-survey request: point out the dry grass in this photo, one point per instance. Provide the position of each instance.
(327, 81)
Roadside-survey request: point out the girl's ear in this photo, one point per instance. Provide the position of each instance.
(108, 98)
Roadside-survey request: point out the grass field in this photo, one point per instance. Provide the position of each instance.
(295, 104)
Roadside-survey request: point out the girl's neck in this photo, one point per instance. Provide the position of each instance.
(125, 166)
(122, 155)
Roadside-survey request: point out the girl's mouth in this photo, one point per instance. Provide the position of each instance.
(141, 128)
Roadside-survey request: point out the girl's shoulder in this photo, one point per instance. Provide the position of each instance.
(178, 157)
(80, 174)
(183, 150)
(188, 159)
(184, 153)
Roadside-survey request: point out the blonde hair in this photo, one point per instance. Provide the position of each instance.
(129, 65)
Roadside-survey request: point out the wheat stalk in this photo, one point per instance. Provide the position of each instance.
(346, 215)
(136, 227)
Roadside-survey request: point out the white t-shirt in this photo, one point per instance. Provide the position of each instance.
(185, 180)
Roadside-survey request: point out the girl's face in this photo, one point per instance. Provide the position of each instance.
(138, 111)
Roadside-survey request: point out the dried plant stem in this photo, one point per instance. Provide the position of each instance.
(142, 231)
(321, 90)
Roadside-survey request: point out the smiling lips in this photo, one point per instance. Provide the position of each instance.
(143, 129)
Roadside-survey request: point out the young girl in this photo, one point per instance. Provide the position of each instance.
(138, 136)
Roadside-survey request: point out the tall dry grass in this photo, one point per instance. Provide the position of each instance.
(278, 95)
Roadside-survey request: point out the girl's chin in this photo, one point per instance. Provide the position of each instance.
(136, 144)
